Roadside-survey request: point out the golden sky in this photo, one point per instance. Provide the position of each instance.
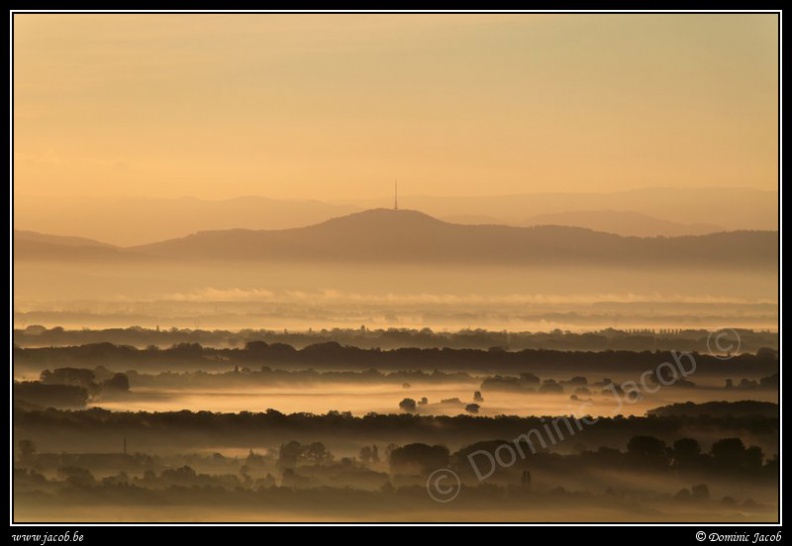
(338, 106)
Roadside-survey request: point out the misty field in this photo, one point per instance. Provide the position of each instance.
(326, 432)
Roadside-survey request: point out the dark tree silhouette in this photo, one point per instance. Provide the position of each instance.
(700, 492)
(77, 476)
(728, 452)
(74, 377)
(184, 475)
(294, 453)
(731, 453)
(289, 454)
(418, 459)
(119, 382)
(316, 453)
(551, 386)
(682, 495)
(647, 450)
(57, 396)
(686, 452)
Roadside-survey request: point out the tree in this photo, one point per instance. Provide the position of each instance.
(184, 475)
(418, 459)
(187, 350)
(700, 492)
(731, 453)
(76, 476)
(119, 382)
(317, 453)
(648, 450)
(290, 478)
(408, 405)
(529, 378)
(369, 454)
(65, 396)
(682, 495)
(686, 451)
(265, 482)
(728, 452)
(75, 377)
(293, 453)
(256, 347)
(389, 449)
(550, 386)
(120, 479)
(753, 457)
(289, 454)
(472, 408)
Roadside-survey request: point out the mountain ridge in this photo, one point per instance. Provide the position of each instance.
(118, 219)
(623, 222)
(387, 236)
(393, 236)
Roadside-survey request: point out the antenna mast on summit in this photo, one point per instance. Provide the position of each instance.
(396, 195)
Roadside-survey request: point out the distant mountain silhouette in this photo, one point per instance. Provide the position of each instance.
(732, 208)
(32, 246)
(120, 220)
(473, 220)
(405, 236)
(135, 221)
(622, 222)
(22, 235)
(27, 250)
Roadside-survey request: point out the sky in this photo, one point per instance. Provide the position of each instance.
(338, 106)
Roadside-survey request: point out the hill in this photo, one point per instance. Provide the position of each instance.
(625, 223)
(62, 240)
(32, 246)
(404, 236)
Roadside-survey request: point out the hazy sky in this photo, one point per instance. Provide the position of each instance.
(338, 106)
